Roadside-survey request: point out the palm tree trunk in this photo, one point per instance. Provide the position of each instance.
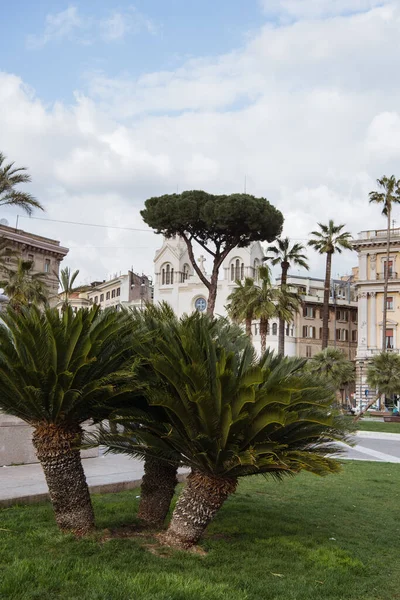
(263, 334)
(57, 449)
(281, 338)
(325, 313)
(248, 322)
(158, 487)
(197, 505)
(386, 285)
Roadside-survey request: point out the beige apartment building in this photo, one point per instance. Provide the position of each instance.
(372, 264)
(342, 315)
(45, 253)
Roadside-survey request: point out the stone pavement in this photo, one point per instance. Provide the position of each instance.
(26, 484)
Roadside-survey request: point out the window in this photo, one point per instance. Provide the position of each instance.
(320, 333)
(274, 329)
(200, 304)
(185, 273)
(113, 294)
(342, 315)
(118, 291)
(101, 297)
(308, 351)
(287, 329)
(167, 275)
(390, 268)
(31, 258)
(256, 267)
(8, 253)
(107, 295)
(232, 272)
(354, 336)
(47, 265)
(389, 339)
(308, 331)
(389, 302)
(242, 271)
(342, 335)
(96, 299)
(354, 316)
(309, 311)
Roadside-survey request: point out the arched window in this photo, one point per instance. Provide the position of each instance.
(237, 269)
(163, 277)
(242, 271)
(185, 273)
(172, 275)
(232, 272)
(274, 328)
(167, 274)
(256, 266)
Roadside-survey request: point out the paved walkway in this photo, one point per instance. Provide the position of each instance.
(112, 473)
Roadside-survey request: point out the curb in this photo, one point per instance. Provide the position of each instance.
(101, 488)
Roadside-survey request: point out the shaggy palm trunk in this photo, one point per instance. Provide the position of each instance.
(248, 326)
(57, 449)
(386, 284)
(325, 313)
(158, 487)
(197, 505)
(263, 334)
(281, 338)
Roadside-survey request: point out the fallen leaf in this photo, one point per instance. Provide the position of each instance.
(277, 574)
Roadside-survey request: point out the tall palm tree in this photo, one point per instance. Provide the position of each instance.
(22, 286)
(10, 177)
(56, 372)
(389, 196)
(66, 280)
(333, 365)
(285, 255)
(330, 239)
(230, 416)
(288, 304)
(241, 303)
(264, 303)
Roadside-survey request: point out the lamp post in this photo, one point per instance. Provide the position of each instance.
(361, 365)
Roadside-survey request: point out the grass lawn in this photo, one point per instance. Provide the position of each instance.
(365, 425)
(307, 538)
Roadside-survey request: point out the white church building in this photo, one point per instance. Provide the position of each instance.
(177, 283)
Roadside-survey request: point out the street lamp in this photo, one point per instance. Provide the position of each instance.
(361, 364)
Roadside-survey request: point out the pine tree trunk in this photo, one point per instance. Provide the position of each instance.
(212, 292)
(281, 338)
(325, 313)
(263, 334)
(57, 449)
(158, 487)
(197, 505)
(386, 285)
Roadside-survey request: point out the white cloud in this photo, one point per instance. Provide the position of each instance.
(308, 112)
(315, 9)
(62, 25)
(69, 25)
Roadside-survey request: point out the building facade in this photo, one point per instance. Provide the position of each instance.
(178, 284)
(370, 274)
(46, 255)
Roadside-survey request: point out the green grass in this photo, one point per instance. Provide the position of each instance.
(379, 426)
(336, 538)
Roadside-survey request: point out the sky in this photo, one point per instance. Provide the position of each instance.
(110, 103)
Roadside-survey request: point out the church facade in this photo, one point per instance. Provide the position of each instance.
(178, 284)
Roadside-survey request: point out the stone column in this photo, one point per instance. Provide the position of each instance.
(362, 257)
(362, 321)
(372, 324)
(372, 264)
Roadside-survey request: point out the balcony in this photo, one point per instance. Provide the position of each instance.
(378, 234)
(392, 275)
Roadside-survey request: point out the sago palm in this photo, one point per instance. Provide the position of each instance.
(286, 255)
(56, 373)
(10, 178)
(241, 303)
(22, 286)
(389, 196)
(229, 416)
(329, 239)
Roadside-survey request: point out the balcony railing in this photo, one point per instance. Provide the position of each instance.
(392, 275)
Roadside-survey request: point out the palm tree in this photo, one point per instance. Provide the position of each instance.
(330, 239)
(333, 365)
(56, 372)
(285, 255)
(66, 280)
(230, 416)
(383, 374)
(10, 177)
(387, 198)
(22, 286)
(241, 305)
(263, 304)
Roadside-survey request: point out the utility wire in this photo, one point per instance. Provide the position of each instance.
(85, 224)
